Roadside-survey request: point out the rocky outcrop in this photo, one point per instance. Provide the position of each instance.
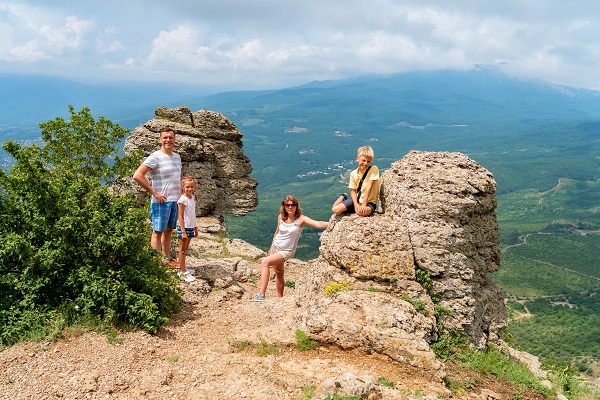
(210, 147)
(387, 283)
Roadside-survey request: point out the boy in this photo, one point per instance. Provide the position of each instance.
(364, 187)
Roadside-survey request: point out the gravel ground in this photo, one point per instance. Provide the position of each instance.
(219, 347)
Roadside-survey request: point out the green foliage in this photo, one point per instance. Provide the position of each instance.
(335, 287)
(493, 362)
(563, 327)
(448, 344)
(385, 382)
(264, 349)
(290, 284)
(261, 349)
(303, 342)
(419, 305)
(71, 245)
(338, 397)
(308, 392)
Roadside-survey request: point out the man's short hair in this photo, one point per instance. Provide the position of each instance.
(166, 129)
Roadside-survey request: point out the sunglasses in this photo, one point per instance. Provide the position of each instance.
(290, 205)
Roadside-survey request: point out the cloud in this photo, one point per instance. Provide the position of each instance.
(269, 43)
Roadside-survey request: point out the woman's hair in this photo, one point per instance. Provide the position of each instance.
(293, 200)
(188, 179)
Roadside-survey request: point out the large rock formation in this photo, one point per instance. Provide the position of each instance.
(210, 147)
(400, 276)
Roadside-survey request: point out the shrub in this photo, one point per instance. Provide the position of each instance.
(71, 245)
(303, 342)
(335, 287)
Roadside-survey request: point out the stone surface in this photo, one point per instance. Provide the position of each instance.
(210, 147)
(433, 244)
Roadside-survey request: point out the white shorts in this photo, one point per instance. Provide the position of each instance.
(286, 254)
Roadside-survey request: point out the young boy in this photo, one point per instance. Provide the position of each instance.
(186, 228)
(364, 187)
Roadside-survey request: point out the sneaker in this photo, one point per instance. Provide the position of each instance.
(190, 270)
(344, 195)
(173, 263)
(186, 276)
(259, 297)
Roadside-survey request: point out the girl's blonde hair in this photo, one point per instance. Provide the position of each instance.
(294, 200)
(189, 179)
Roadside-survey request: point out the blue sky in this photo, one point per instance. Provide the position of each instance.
(263, 44)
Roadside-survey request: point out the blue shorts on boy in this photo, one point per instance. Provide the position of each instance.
(163, 215)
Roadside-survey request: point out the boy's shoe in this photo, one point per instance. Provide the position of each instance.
(173, 263)
(259, 297)
(190, 270)
(186, 276)
(344, 195)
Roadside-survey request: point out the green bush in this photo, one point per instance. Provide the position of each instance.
(72, 243)
(303, 342)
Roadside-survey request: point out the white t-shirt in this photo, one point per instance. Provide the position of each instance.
(165, 174)
(189, 212)
(288, 235)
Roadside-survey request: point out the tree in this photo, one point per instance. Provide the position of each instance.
(72, 241)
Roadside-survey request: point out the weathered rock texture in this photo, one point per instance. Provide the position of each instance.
(210, 147)
(429, 250)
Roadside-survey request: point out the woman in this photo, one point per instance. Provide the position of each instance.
(289, 227)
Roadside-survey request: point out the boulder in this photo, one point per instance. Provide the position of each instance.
(393, 282)
(210, 147)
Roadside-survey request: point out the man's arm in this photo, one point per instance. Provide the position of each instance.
(140, 177)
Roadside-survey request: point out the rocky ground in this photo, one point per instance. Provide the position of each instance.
(222, 346)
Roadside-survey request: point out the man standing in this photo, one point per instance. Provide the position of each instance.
(164, 167)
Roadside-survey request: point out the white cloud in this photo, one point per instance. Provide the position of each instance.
(269, 43)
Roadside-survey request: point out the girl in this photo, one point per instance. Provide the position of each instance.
(186, 228)
(289, 227)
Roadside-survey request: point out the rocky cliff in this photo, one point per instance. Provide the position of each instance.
(417, 268)
(388, 284)
(210, 147)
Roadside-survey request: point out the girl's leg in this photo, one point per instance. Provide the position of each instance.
(274, 260)
(279, 280)
(184, 243)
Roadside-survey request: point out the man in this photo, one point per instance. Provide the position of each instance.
(165, 168)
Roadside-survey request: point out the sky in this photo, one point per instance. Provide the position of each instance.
(267, 44)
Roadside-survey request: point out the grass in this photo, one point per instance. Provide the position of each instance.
(261, 349)
(494, 364)
(303, 342)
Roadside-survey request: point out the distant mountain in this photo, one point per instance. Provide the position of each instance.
(433, 97)
(28, 99)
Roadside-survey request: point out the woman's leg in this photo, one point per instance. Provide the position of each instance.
(274, 260)
(279, 280)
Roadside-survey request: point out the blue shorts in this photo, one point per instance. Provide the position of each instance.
(163, 216)
(190, 232)
(350, 205)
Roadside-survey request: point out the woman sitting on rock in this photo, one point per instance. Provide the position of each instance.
(289, 227)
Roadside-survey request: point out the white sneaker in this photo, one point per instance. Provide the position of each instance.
(186, 276)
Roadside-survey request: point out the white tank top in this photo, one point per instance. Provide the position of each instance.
(288, 235)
